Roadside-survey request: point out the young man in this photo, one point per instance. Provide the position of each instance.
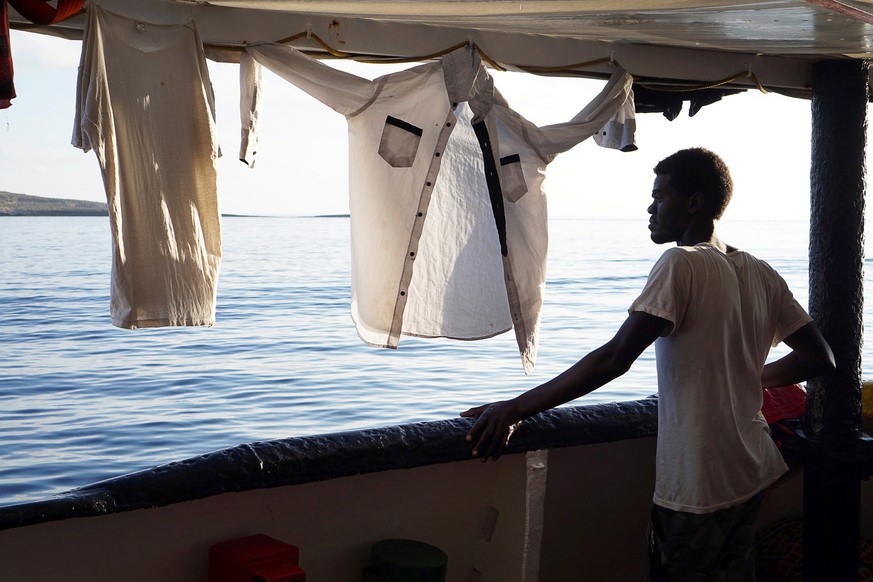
(713, 312)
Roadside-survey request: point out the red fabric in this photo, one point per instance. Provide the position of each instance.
(784, 402)
(38, 12)
(7, 88)
(41, 12)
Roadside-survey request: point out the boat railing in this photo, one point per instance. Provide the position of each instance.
(308, 459)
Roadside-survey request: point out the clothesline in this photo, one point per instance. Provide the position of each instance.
(570, 68)
(712, 85)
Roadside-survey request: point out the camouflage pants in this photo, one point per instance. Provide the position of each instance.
(711, 547)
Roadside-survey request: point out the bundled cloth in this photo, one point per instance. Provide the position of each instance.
(38, 12)
(782, 406)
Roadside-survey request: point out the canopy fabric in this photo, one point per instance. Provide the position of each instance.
(705, 42)
(771, 26)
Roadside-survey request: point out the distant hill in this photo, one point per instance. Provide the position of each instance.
(23, 205)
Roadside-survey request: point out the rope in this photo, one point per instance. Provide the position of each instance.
(309, 35)
(344, 55)
(707, 85)
(413, 59)
(566, 68)
(489, 60)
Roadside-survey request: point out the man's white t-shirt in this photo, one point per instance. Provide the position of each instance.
(726, 310)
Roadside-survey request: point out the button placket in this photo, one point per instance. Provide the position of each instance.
(417, 229)
(512, 295)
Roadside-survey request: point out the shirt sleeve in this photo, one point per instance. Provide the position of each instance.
(343, 92)
(250, 77)
(610, 115)
(667, 290)
(791, 316)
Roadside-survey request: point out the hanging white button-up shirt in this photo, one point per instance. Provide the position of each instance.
(448, 216)
(144, 104)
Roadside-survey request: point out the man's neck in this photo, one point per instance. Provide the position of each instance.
(697, 234)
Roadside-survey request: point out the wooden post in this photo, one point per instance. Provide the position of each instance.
(836, 257)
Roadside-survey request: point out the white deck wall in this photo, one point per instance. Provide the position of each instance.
(595, 512)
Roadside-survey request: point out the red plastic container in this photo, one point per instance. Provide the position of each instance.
(256, 558)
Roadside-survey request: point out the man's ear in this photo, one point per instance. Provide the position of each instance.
(696, 202)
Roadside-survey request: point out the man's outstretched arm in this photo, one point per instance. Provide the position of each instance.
(810, 357)
(496, 421)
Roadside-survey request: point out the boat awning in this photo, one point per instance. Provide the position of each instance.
(738, 44)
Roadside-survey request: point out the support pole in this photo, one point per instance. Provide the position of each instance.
(836, 257)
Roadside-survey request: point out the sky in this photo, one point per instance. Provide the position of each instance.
(302, 161)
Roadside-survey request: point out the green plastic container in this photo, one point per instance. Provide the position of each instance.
(405, 561)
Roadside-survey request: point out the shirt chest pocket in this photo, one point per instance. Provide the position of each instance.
(399, 142)
(512, 178)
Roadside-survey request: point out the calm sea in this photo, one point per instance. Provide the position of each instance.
(83, 401)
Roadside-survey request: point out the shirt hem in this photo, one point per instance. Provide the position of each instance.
(719, 506)
(459, 338)
(143, 323)
(429, 336)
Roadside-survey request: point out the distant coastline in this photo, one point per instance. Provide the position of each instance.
(23, 205)
(12, 204)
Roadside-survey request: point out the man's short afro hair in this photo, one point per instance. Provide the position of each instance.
(699, 170)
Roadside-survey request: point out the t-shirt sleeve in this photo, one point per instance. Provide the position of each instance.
(87, 124)
(667, 290)
(791, 315)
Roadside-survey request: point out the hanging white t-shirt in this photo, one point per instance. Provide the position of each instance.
(448, 214)
(145, 106)
(725, 310)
